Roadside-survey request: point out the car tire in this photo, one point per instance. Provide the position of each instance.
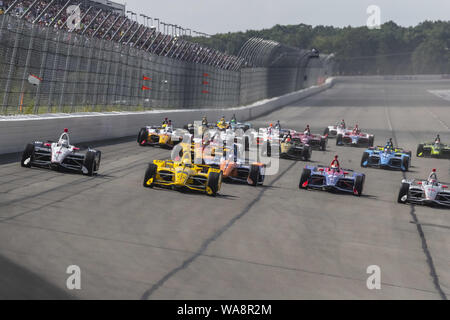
(307, 153)
(404, 190)
(339, 139)
(323, 145)
(410, 158)
(215, 182)
(359, 185)
(98, 159)
(365, 158)
(150, 173)
(89, 163)
(420, 151)
(247, 143)
(254, 175)
(266, 149)
(306, 175)
(142, 137)
(27, 154)
(405, 163)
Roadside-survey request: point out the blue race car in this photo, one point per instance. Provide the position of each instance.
(386, 158)
(332, 179)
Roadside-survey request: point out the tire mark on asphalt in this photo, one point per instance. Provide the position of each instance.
(128, 166)
(224, 258)
(211, 239)
(425, 248)
(439, 120)
(40, 172)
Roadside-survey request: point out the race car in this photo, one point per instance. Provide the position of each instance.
(334, 131)
(317, 142)
(433, 150)
(395, 149)
(239, 170)
(201, 128)
(355, 138)
(244, 126)
(183, 174)
(386, 158)
(159, 136)
(294, 149)
(425, 192)
(332, 178)
(61, 155)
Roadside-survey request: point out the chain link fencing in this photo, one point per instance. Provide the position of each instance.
(49, 70)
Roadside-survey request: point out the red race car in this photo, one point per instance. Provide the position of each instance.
(355, 138)
(315, 141)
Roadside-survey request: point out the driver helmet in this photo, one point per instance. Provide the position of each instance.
(438, 139)
(433, 178)
(335, 163)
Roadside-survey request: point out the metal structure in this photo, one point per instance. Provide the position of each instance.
(89, 70)
(272, 69)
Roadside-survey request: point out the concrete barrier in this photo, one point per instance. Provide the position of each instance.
(17, 131)
(418, 77)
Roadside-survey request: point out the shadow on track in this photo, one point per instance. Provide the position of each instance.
(18, 283)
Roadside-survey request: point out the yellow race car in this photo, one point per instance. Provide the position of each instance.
(183, 175)
(158, 136)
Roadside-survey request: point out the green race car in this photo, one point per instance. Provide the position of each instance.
(433, 150)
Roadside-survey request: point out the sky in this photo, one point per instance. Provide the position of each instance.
(213, 16)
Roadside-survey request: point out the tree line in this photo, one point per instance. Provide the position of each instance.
(390, 50)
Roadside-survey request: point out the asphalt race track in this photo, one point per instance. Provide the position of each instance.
(271, 242)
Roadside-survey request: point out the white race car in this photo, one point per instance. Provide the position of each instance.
(334, 131)
(424, 192)
(61, 155)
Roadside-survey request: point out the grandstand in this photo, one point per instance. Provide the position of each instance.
(108, 20)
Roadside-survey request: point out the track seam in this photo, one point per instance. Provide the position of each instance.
(426, 251)
(211, 239)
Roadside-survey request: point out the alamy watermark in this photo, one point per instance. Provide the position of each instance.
(74, 280)
(374, 280)
(374, 19)
(74, 18)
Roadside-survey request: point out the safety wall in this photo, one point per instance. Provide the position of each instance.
(74, 73)
(16, 132)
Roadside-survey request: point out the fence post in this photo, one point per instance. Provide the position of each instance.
(27, 63)
(78, 74)
(37, 99)
(122, 81)
(97, 74)
(88, 72)
(107, 74)
(66, 71)
(117, 55)
(54, 82)
(131, 68)
(12, 65)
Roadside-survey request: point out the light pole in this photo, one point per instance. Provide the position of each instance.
(145, 18)
(132, 14)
